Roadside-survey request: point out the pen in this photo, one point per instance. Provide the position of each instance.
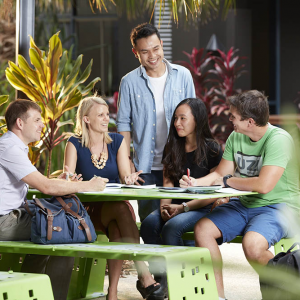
(188, 173)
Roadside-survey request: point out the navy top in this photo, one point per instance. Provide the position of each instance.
(84, 163)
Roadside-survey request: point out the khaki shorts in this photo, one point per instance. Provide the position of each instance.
(15, 226)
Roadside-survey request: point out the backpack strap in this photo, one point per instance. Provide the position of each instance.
(50, 218)
(74, 214)
(292, 247)
(26, 206)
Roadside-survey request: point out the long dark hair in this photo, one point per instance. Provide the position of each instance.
(174, 157)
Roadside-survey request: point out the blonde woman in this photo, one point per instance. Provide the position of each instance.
(92, 151)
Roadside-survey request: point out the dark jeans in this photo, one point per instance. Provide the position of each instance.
(16, 226)
(146, 207)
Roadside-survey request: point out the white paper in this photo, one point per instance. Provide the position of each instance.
(149, 186)
(230, 191)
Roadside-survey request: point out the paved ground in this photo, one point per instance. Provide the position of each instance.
(240, 280)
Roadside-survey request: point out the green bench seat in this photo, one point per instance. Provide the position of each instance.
(189, 269)
(24, 286)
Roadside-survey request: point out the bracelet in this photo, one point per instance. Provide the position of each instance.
(225, 178)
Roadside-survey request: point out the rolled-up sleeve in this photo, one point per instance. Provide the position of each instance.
(124, 107)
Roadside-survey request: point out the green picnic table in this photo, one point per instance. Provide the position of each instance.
(119, 194)
(90, 259)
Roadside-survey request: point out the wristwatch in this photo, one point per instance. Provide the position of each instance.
(185, 207)
(225, 178)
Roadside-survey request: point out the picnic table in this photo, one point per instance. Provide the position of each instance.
(186, 267)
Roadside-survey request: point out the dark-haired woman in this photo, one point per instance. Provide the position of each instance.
(190, 145)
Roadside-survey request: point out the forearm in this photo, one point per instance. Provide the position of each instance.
(56, 187)
(208, 179)
(247, 184)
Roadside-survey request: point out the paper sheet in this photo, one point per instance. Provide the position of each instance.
(230, 191)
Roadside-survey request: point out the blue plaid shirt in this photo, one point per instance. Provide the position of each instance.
(137, 112)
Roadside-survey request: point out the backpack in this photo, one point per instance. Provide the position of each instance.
(60, 220)
(280, 280)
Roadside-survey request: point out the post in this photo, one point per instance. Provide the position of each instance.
(24, 27)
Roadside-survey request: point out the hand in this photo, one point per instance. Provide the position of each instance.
(185, 181)
(169, 211)
(219, 181)
(66, 175)
(219, 202)
(97, 184)
(133, 178)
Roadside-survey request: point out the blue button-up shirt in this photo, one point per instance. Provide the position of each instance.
(137, 111)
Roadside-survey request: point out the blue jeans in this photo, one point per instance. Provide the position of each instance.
(154, 230)
(146, 207)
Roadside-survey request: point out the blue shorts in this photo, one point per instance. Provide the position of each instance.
(235, 219)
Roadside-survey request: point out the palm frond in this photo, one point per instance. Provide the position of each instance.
(204, 10)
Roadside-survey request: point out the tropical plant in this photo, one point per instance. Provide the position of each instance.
(228, 69)
(197, 9)
(198, 66)
(3, 129)
(54, 92)
(214, 79)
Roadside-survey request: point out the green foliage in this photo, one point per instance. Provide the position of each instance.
(3, 100)
(5, 87)
(56, 90)
(203, 10)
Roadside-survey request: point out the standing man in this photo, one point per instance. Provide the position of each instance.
(24, 124)
(147, 99)
(265, 158)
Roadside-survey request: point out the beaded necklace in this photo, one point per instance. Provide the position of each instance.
(100, 164)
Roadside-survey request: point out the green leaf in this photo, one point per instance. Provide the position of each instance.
(39, 64)
(34, 46)
(69, 122)
(72, 77)
(61, 67)
(85, 75)
(90, 86)
(3, 99)
(54, 54)
(18, 79)
(73, 101)
(31, 74)
(51, 109)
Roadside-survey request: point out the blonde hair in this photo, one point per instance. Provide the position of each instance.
(82, 129)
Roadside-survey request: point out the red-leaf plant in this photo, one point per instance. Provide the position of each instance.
(199, 67)
(214, 91)
(227, 68)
